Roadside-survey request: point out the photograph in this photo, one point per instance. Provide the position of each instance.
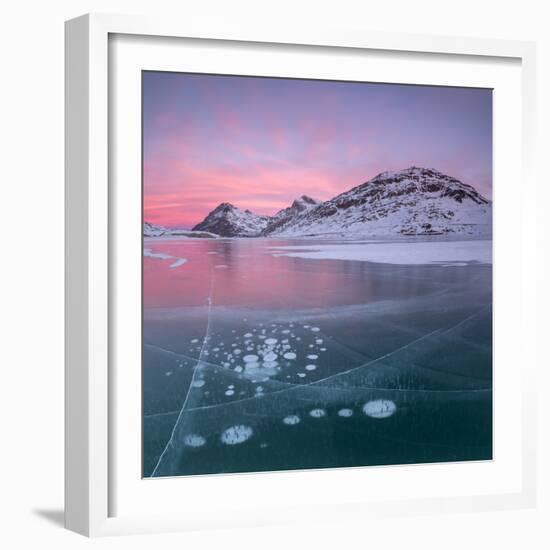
(316, 275)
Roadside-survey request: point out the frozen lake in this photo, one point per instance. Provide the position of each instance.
(263, 354)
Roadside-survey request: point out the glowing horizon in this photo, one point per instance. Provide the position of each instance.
(259, 143)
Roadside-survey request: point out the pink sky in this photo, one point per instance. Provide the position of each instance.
(259, 143)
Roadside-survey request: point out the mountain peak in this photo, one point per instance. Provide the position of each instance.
(227, 220)
(223, 207)
(412, 201)
(304, 199)
(288, 216)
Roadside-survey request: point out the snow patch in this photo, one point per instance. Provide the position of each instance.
(399, 253)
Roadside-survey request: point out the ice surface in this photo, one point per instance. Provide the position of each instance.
(454, 253)
(178, 262)
(148, 253)
(400, 378)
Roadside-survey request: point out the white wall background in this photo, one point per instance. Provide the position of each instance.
(31, 272)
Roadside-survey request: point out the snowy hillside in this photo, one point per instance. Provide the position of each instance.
(229, 221)
(153, 230)
(289, 216)
(414, 201)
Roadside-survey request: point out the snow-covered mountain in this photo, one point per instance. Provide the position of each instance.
(154, 230)
(414, 201)
(227, 220)
(289, 216)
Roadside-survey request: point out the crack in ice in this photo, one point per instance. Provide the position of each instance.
(193, 378)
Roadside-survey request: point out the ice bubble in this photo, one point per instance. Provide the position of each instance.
(289, 355)
(270, 364)
(238, 369)
(194, 440)
(315, 329)
(286, 331)
(229, 392)
(319, 341)
(317, 413)
(259, 389)
(346, 413)
(379, 408)
(194, 341)
(168, 373)
(270, 356)
(248, 335)
(250, 358)
(236, 434)
(230, 387)
(198, 383)
(237, 351)
(311, 367)
(252, 366)
(313, 356)
(271, 341)
(291, 420)
(306, 326)
(301, 375)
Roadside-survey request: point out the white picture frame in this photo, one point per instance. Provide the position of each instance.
(90, 212)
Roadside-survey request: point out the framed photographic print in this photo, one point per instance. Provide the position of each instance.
(289, 262)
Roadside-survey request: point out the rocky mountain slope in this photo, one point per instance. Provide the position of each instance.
(290, 216)
(414, 201)
(227, 220)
